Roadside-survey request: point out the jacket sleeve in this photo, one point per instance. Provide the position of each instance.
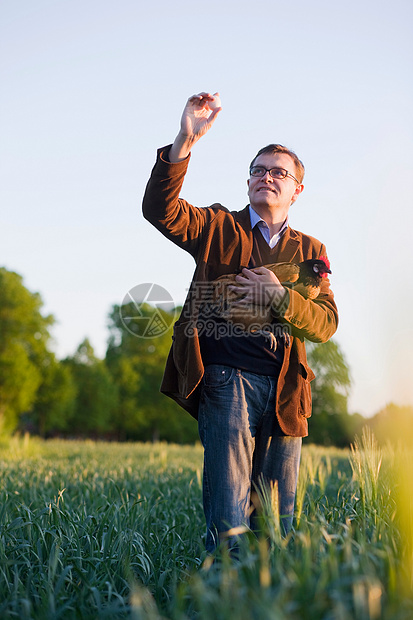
(175, 218)
(316, 320)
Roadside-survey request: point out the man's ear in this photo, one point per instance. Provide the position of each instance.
(297, 192)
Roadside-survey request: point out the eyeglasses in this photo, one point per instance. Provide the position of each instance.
(275, 173)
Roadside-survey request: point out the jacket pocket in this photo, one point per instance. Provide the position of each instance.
(305, 376)
(186, 355)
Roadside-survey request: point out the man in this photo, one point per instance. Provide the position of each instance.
(250, 392)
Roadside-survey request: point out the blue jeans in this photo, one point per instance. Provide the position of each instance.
(243, 444)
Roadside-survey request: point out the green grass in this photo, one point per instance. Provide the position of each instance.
(105, 530)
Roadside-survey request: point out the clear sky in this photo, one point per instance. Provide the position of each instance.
(90, 90)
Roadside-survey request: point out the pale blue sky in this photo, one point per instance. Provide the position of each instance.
(91, 88)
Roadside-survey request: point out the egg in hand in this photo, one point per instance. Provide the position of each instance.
(215, 103)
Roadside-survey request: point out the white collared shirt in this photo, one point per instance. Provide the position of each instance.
(256, 220)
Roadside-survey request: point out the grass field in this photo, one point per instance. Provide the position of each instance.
(98, 530)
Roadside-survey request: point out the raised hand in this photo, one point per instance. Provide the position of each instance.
(199, 114)
(198, 117)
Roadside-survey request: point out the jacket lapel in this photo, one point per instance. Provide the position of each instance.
(243, 220)
(289, 245)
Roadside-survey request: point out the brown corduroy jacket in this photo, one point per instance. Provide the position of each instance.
(221, 243)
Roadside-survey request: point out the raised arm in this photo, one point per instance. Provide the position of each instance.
(178, 220)
(197, 118)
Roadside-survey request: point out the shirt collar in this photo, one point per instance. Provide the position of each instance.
(257, 220)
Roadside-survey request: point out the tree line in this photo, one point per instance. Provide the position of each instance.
(118, 397)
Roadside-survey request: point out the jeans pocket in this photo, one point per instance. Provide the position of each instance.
(216, 375)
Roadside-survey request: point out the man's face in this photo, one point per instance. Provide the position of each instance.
(274, 193)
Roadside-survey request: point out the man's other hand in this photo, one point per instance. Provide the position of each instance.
(260, 287)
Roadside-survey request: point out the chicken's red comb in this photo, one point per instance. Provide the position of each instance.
(326, 261)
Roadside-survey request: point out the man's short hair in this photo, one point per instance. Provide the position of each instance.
(279, 148)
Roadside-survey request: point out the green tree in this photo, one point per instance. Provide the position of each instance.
(24, 338)
(128, 416)
(331, 424)
(96, 396)
(55, 399)
(137, 366)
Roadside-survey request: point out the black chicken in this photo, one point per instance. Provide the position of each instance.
(305, 278)
(310, 276)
